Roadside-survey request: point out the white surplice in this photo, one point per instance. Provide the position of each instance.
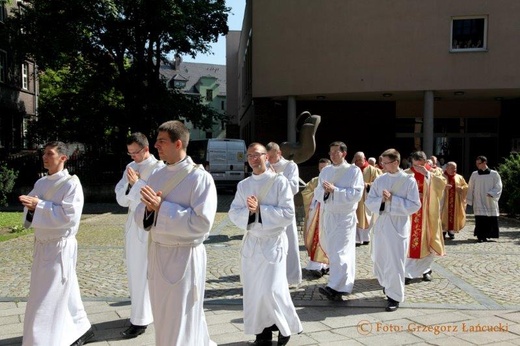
(289, 169)
(55, 314)
(484, 191)
(136, 240)
(338, 220)
(177, 256)
(267, 299)
(391, 230)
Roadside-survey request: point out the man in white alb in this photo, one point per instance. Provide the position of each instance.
(55, 314)
(339, 190)
(128, 194)
(289, 169)
(178, 207)
(394, 196)
(263, 207)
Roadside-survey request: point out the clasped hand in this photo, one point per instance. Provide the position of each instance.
(252, 204)
(150, 198)
(29, 201)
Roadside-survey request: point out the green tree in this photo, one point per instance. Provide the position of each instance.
(7, 180)
(510, 174)
(103, 58)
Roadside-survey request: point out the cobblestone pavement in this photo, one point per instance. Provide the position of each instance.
(475, 279)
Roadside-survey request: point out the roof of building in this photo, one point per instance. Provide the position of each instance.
(192, 72)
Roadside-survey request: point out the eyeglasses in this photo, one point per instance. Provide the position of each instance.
(137, 152)
(254, 156)
(387, 163)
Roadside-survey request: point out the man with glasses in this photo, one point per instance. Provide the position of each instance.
(263, 207)
(340, 188)
(426, 238)
(128, 189)
(484, 190)
(289, 169)
(394, 196)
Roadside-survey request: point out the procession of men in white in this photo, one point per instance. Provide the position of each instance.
(172, 207)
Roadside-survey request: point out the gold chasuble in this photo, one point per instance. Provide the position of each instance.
(426, 233)
(454, 207)
(311, 228)
(370, 173)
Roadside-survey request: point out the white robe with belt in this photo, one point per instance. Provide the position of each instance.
(177, 256)
(136, 240)
(294, 269)
(392, 229)
(267, 299)
(55, 314)
(338, 220)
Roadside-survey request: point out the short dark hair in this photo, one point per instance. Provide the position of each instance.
(418, 156)
(176, 131)
(138, 138)
(482, 158)
(342, 146)
(61, 148)
(324, 160)
(392, 154)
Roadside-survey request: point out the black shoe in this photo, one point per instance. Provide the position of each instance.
(484, 240)
(407, 281)
(316, 273)
(89, 334)
(133, 331)
(330, 293)
(358, 244)
(325, 271)
(427, 276)
(392, 305)
(282, 340)
(366, 242)
(265, 337)
(451, 235)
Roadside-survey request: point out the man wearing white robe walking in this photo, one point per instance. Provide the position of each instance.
(289, 169)
(263, 207)
(55, 314)
(340, 187)
(178, 208)
(128, 194)
(394, 196)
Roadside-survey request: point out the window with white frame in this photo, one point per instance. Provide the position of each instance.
(25, 76)
(3, 66)
(468, 34)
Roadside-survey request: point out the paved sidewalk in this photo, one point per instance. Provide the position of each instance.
(474, 298)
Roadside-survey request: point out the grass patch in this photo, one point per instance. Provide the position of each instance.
(11, 225)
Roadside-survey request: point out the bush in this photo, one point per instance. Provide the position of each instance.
(510, 174)
(7, 179)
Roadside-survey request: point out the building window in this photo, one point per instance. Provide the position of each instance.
(222, 105)
(468, 34)
(3, 12)
(25, 76)
(179, 84)
(209, 95)
(3, 66)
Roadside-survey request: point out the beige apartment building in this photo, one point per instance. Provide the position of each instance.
(440, 76)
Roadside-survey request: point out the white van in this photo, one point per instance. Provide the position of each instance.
(224, 158)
